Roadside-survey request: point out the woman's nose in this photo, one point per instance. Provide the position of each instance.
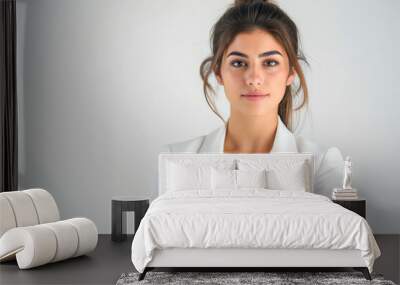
(254, 77)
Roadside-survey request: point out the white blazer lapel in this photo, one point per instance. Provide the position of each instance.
(284, 140)
(214, 142)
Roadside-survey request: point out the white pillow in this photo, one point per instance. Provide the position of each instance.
(294, 178)
(251, 178)
(236, 179)
(223, 179)
(184, 177)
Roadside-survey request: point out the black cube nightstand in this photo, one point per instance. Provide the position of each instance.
(122, 204)
(358, 206)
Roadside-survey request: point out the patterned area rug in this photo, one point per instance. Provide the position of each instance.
(275, 278)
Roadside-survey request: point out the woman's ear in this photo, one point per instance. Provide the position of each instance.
(291, 77)
(219, 79)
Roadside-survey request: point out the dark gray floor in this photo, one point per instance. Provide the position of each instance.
(102, 266)
(389, 262)
(111, 259)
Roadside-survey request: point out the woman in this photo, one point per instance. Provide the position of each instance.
(255, 57)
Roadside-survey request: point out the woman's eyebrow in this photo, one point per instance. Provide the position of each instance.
(264, 54)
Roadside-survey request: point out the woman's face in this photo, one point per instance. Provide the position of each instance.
(255, 63)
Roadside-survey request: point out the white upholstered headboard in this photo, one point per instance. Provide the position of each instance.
(216, 159)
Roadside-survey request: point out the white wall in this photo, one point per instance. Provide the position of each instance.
(103, 84)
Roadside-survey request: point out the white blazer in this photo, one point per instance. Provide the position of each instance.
(329, 162)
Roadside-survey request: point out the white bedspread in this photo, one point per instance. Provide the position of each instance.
(250, 218)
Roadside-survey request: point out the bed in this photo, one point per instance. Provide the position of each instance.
(247, 211)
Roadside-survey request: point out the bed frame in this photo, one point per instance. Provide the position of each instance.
(249, 259)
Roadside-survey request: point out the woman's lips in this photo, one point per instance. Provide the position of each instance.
(254, 97)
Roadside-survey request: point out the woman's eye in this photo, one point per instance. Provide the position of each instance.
(269, 63)
(272, 63)
(237, 63)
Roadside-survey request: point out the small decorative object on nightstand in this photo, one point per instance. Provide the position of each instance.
(347, 192)
(121, 204)
(358, 206)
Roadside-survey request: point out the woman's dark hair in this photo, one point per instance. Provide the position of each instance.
(246, 16)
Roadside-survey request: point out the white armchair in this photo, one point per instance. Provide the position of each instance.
(32, 233)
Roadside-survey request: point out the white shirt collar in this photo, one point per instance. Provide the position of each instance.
(284, 140)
